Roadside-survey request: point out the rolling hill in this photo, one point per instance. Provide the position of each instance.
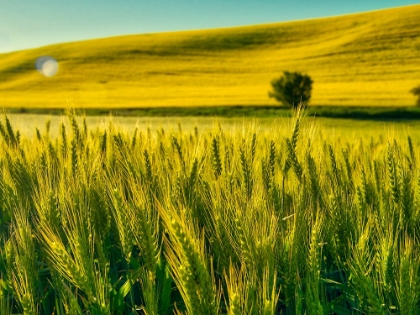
(370, 58)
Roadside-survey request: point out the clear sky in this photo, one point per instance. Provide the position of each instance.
(33, 23)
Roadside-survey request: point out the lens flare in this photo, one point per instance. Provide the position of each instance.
(47, 66)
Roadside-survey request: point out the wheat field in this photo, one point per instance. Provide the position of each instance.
(365, 59)
(288, 219)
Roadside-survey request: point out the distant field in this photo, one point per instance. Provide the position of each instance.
(368, 59)
(334, 129)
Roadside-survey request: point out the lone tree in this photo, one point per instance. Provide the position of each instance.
(292, 88)
(416, 91)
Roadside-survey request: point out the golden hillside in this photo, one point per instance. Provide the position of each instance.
(371, 58)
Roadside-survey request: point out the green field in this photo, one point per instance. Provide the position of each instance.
(193, 216)
(368, 59)
(366, 128)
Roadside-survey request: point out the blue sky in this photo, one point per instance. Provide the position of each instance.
(33, 23)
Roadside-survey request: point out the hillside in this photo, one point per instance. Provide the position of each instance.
(371, 58)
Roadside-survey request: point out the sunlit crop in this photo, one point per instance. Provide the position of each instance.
(105, 221)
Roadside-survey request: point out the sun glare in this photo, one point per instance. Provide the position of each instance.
(47, 66)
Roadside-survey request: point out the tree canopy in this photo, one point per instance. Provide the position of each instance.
(292, 88)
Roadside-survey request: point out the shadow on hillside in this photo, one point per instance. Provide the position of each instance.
(359, 113)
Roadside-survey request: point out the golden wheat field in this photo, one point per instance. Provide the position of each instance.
(295, 216)
(274, 213)
(369, 58)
